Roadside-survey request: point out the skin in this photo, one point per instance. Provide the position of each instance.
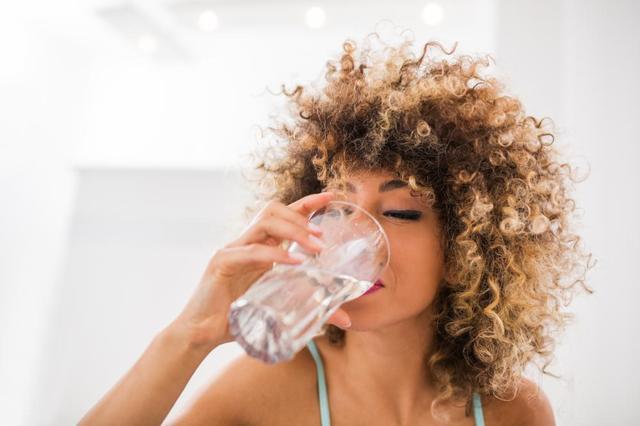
(378, 377)
(146, 393)
(390, 333)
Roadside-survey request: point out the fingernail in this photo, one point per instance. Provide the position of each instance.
(317, 241)
(314, 227)
(347, 324)
(296, 255)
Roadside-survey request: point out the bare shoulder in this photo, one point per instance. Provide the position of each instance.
(250, 392)
(530, 407)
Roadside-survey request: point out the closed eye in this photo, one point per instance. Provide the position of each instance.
(404, 214)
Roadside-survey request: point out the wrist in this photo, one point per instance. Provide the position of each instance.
(187, 339)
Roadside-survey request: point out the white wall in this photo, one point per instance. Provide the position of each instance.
(117, 172)
(137, 246)
(578, 62)
(603, 58)
(42, 80)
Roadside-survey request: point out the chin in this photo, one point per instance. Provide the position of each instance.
(364, 327)
(366, 321)
(370, 319)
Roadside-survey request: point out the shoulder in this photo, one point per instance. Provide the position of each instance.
(530, 407)
(243, 393)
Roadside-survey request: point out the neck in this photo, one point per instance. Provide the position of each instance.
(390, 363)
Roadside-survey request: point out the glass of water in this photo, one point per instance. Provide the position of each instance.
(289, 304)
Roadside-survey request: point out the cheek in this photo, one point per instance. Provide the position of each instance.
(417, 266)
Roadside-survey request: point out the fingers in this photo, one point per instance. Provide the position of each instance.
(290, 214)
(310, 203)
(280, 229)
(229, 261)
(277, 222)
(340, 318)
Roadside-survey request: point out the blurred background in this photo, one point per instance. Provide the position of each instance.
(125, 127)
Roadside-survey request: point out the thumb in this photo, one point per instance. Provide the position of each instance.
(340, 318)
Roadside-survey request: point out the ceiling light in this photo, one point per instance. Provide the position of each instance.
(432, 14)
(208, 21)
(315, 17)
(147, 43)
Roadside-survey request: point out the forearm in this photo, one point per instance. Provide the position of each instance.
(145, 395)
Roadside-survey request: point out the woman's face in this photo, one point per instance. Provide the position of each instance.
(417, 262)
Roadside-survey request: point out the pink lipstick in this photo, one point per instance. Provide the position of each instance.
(375, 287)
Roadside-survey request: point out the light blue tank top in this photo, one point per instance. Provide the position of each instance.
(325, 418)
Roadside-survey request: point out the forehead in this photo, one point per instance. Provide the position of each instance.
(382, 182)
(376, 181)
(365, 177)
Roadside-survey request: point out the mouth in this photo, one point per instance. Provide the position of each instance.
(376, 286)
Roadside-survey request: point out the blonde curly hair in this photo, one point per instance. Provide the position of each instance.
(489, 171)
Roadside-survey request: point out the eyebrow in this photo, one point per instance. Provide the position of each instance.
(389, 185)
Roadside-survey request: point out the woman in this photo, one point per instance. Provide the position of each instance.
(476, 207)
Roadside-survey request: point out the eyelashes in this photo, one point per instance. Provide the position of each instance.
(400, 214)
(404, 214)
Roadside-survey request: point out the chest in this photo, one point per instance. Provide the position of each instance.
(292, 399)
(347, 409)
(301, 407)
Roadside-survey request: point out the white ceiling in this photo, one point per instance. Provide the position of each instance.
(138, 83)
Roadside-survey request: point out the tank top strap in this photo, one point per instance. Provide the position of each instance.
(325, 417)
(323, 400)
(478, 415)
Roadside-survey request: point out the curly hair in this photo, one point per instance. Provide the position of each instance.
(489, 171)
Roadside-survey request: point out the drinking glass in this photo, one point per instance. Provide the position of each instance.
(289, 304)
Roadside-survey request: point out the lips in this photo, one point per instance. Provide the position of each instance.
(377, 285)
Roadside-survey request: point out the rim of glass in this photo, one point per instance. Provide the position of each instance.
(384, 234)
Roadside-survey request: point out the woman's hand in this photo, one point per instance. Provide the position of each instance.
(151, 387)
(232, 269)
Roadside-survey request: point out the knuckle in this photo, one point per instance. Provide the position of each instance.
(259, 218)
(253, 248)
(303, 235)
(266, 225)
(272, 205)
(216, 260)
(260, 225)
(215, 257)
(298, 217)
